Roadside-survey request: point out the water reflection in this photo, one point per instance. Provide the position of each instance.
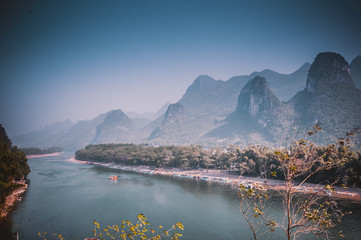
(64, 197)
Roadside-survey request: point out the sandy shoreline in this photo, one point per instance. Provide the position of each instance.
(13, 198)
(43, 155)
(222, 176)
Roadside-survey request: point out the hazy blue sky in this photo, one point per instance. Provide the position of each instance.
(76, 59)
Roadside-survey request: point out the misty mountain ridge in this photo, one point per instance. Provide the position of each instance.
(80, 134)
(330, 97)
(116, 127)
(329, 72)
(173, 117)
(179, 127)
(255, 99)
(149, 115)
(43, 137)
(98, 130)
(207, 96)
(355, 71)
(285, 86)
(243, 110)
(258, 117)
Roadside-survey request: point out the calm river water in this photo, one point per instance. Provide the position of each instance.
(65, 197)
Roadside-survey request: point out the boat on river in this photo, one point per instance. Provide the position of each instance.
(113, 177)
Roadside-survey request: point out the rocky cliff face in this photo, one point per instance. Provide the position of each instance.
(330, 97)
(116, 128)
(174, 114)
(259, 117)
(179, 127)
(260, 110)
(242, 110)
(173, 118)
(284, 86)
(255, 99)
(327, 72)
(207, 96)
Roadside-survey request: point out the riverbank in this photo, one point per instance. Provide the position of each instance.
(223, 176)
(44, 155)
(16, 195)
(13, 198)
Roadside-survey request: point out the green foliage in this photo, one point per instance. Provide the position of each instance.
(13, 165)
(254, 209)
(314, 213)
(127, 230)
(131, 154)
(251, 161)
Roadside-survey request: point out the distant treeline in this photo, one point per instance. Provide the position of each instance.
(249, 161)
(13, 166)
(34, 150)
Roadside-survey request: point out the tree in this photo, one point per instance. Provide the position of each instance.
(314, 213)
(13, 166)
(128, 230)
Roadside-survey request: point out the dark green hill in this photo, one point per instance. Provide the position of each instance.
(13, 165)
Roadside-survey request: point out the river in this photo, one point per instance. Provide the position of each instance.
(65, 197)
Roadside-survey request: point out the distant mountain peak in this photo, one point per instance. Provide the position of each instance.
(258, 112)
(328, 70)
(117, 127)
(117, 116)
(173, 118)
(203, 78)
(306, 65)
(175, 113)
(200, 82)
(330, 97)
(116, 111)
(264, 72)
(355, 67)
(256, 97)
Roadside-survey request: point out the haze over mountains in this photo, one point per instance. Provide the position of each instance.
(261, 108)
(355, 67)
(260, 117)
(208, 96)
